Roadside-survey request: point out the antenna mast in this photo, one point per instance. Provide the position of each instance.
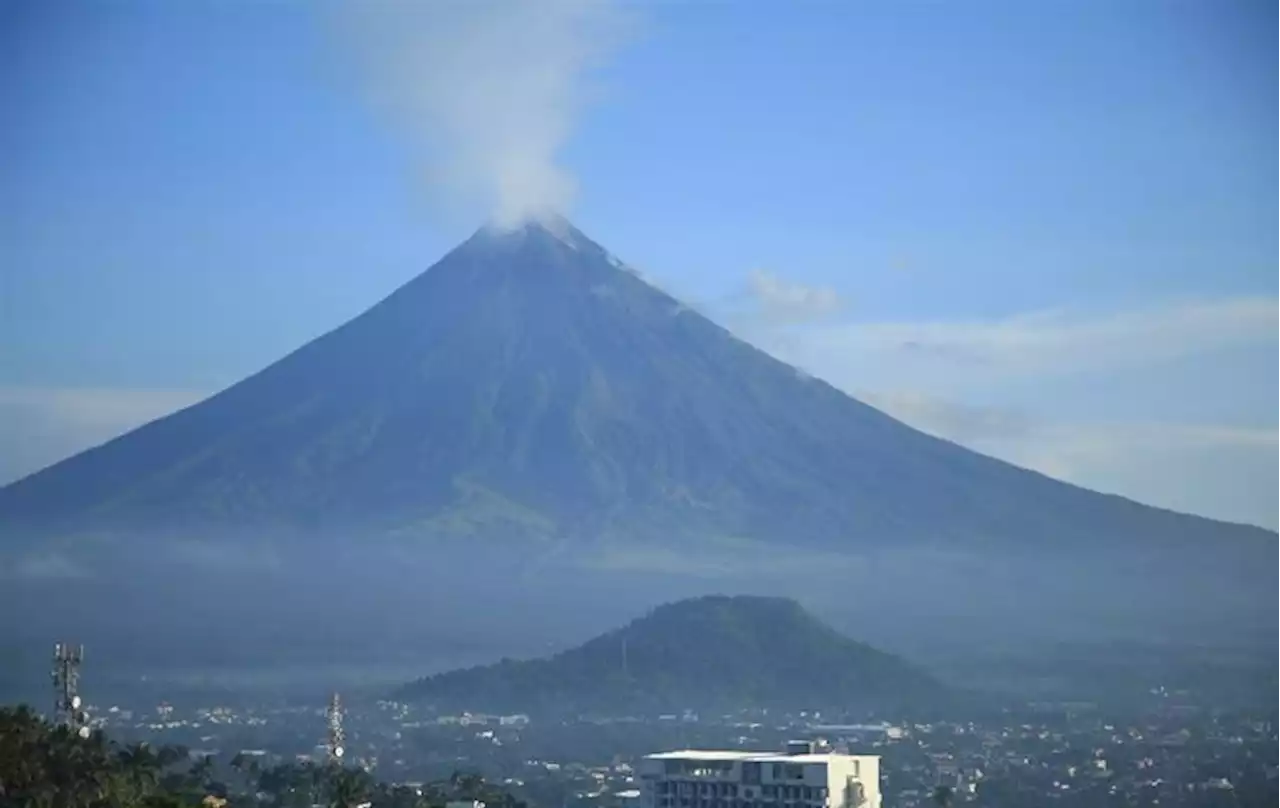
(68, 709)
(336, 736)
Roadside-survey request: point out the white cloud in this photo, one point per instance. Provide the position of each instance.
(779, 300)
(212, 555)
(1040, 344)
(1220, 471)
(44, 566)
(963, 423)
(1051, 373)
(42, 425)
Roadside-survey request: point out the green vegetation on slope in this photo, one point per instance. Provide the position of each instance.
(713, 652)
(43, 766)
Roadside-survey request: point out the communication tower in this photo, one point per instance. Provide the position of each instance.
(68, 708)
(336, 737)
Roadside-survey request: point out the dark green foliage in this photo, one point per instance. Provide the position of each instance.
(705, 653)
(42, 766)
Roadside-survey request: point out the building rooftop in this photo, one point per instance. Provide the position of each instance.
(702, 754)
(763, 757)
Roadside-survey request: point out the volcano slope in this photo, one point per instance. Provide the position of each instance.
(531, 420)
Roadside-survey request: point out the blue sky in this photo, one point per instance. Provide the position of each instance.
(1044, 230)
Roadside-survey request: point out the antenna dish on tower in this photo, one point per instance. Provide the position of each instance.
(336, 735)
(67, 704)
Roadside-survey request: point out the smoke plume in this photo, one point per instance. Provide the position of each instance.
(488, 91)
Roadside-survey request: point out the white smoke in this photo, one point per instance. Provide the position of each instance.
(488, 90)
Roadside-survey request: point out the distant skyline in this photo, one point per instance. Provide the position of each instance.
(1045, 231)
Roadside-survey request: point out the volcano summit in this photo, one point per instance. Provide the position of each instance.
(531, 412)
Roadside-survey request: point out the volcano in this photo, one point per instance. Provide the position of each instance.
(531, 410)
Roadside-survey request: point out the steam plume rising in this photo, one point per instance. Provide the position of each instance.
(488, 89)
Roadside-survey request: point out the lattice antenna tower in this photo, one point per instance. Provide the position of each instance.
(68, 707)
(337, 738)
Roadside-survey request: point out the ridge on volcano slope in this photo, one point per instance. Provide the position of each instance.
(713, 652)
(530, 410)
(527, 384)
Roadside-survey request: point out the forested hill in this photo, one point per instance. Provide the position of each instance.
(714, 652)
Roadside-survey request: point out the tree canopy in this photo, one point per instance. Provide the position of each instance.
(48, 766)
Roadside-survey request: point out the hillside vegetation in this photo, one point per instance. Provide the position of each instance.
(44, 766)
(713, 652)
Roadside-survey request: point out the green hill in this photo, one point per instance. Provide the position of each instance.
(714, 652)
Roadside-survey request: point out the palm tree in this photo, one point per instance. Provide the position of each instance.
(385, 796)
(200, 775)
(167, 756)
(467, 786)
(436, 793)
(25, 752)
(248, 767)
(348, 787)
(42, 766)
(141, 767)
(82, 768)
(271, 781)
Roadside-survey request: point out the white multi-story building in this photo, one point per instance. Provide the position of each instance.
(802, 777)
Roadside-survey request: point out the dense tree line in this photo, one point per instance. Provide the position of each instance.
(47, 766)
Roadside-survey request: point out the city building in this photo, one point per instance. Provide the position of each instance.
(806, 775)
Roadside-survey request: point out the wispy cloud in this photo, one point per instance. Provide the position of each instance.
(924, 373)
(941, 377)
(1228, 472)
(94, 407)
(955, 421)
(220, 556)
(965, 422)
(1059, 341)
(50, 566)
(42, 425)
(779, 300)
